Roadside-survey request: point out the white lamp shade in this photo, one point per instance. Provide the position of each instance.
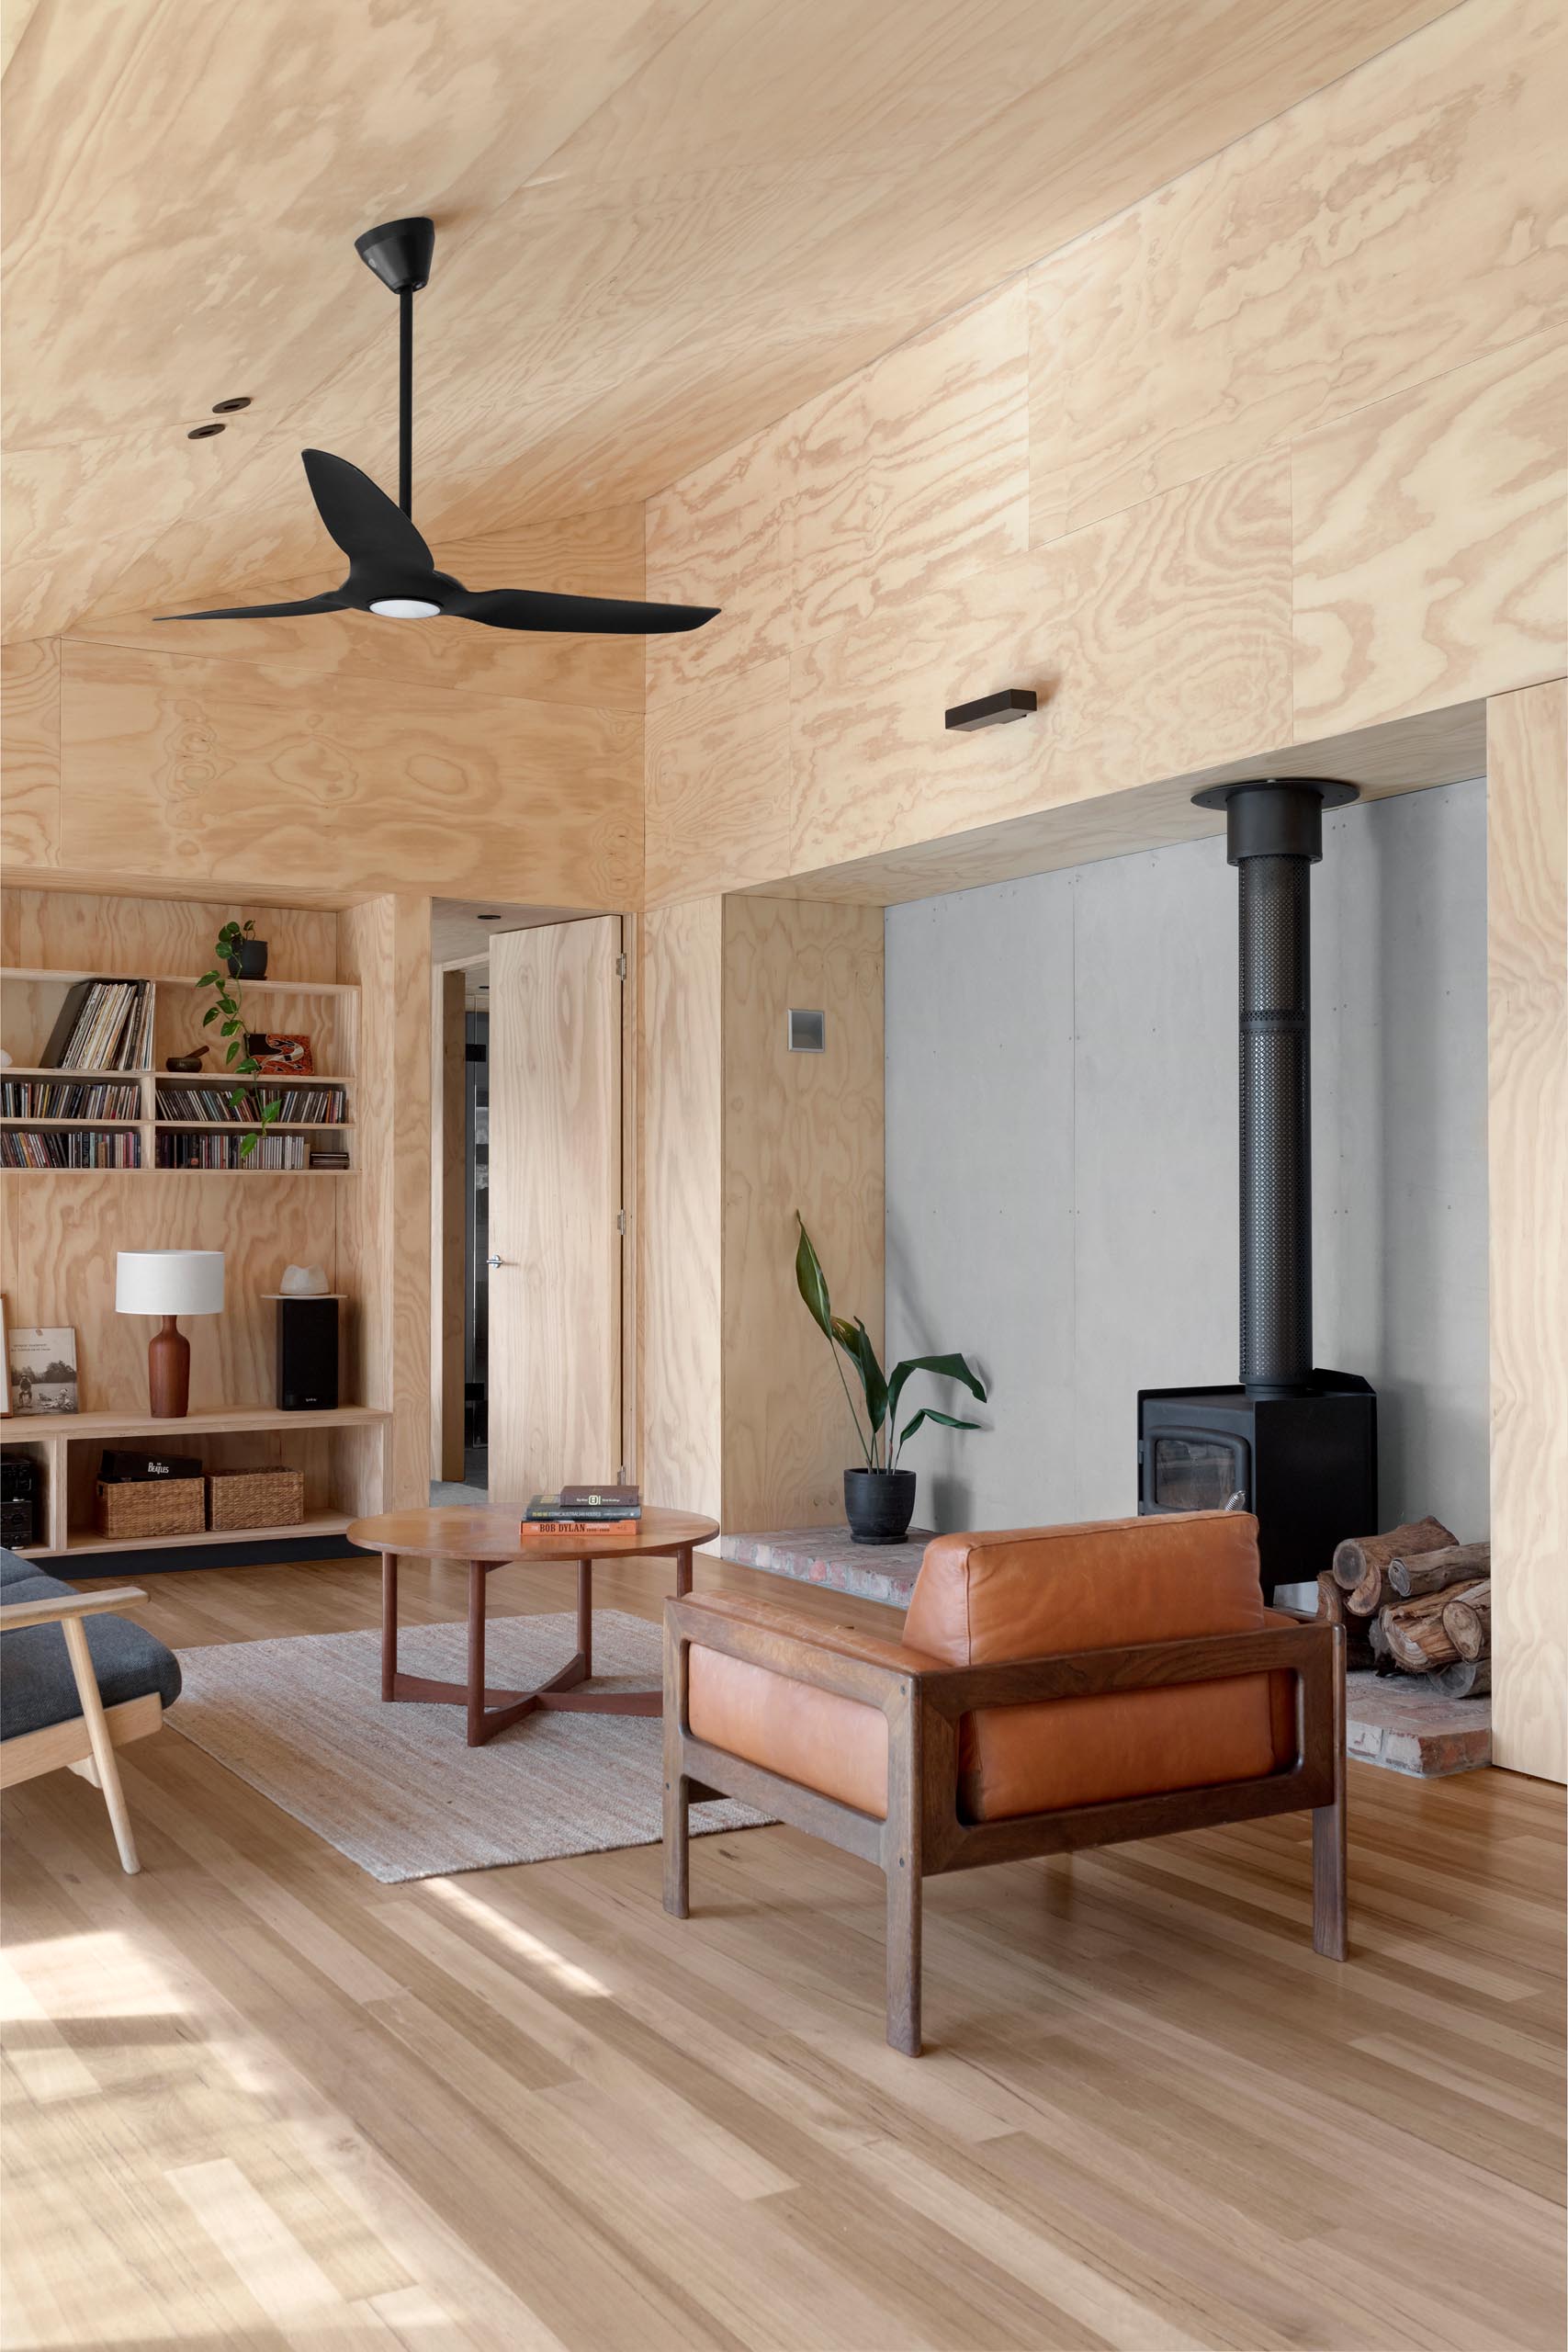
(169, 1281)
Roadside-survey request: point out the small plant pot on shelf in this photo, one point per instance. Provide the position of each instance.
(879, 1504)
(249, 960)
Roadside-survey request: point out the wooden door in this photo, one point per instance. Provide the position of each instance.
(555, 1201)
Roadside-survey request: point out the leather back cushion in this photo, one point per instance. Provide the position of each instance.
(1034, 1592)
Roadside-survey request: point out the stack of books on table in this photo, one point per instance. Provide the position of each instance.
(585, 1511)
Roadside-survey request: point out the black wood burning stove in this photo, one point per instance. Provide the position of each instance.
(1298, 1445)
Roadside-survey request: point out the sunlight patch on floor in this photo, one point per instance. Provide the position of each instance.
(539, 1955)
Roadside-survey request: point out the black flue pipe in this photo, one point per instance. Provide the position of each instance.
(1273, 838)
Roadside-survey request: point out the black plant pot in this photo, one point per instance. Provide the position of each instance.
(249, 960)
(879, 1504)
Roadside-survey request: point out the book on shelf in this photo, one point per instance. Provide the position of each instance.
(70, 1147)
(55, 1097)
(103, 1024)
(558, 1510)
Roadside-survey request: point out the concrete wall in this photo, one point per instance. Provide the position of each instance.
(1061, 1155)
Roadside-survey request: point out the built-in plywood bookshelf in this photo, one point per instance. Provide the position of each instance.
(145, 1133)
(334, 1451)
(353, 978)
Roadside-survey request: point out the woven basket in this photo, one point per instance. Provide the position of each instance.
(133, 1507)
(238, 1498)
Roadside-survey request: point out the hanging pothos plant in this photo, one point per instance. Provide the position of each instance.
(881, 1439)
(229, 1011)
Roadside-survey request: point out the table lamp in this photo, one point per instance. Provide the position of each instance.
(168, 1283)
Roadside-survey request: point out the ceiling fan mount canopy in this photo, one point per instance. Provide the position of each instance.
(391, 569)
(399, 252)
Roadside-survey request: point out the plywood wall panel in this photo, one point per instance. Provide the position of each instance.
(1401, 222)
(1437, 747)
(1431, 543)
(383, 1226)
(802, 1132)
(680, 1211)
(85, 931)
(724, 535)
(1158, 641)
(1526, 891)
(61, 1233)
(718, 784)
(30, 753)
(914, 474)
(232, 770)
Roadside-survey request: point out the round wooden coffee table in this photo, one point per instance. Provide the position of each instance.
(494, 1538)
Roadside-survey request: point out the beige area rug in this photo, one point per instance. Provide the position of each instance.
(396, 1788)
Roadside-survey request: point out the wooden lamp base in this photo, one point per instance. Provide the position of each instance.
(168, 1371)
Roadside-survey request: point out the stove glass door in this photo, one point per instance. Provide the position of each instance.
(1197, 1470)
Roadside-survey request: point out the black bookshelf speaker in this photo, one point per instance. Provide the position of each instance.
(307, 1354)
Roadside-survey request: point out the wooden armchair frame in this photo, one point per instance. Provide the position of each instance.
(84, 1743)
(923, 1834)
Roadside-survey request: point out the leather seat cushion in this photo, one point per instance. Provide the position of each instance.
(824, 1741)
(983, 1600)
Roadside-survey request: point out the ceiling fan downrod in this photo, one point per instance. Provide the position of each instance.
(399, 253)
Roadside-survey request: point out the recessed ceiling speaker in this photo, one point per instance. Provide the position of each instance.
(994, 710)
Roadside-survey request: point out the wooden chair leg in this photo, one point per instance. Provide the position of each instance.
(104, 1763)
(1330, 1911)
(1330, 1897)
(677, 1787)
(904, 1909)
(677, 1845)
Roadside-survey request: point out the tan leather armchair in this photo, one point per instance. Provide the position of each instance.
(1056, 1687)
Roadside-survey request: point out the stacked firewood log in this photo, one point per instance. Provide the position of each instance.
(1418, 1600)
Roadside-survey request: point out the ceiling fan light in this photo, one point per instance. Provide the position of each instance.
(406, 608)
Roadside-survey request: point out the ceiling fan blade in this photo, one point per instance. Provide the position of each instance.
(335, 602)
(369, 527)
(533, 608)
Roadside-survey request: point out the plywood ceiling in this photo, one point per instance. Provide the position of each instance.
(661, 223)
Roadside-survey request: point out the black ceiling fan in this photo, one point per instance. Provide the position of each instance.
(391, 569)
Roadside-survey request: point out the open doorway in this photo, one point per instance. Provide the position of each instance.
(530, 1218)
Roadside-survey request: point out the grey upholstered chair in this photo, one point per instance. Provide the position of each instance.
(76, 1682)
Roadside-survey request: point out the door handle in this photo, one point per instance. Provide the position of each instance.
(498, 1262)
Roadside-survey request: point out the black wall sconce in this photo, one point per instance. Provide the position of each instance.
(995, 710)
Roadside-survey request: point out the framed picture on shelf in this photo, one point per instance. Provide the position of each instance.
(280, 1056)
(42, 1362)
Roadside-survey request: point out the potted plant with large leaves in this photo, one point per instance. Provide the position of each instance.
(879, 1497)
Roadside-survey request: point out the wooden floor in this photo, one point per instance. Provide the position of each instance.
(257, 2099)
